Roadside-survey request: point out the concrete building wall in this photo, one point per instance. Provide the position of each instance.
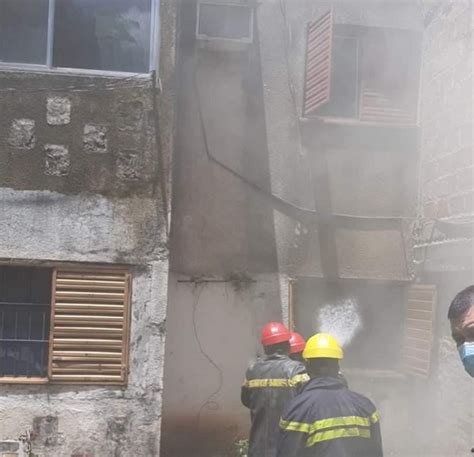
(84, 178)
(219, 322)
(447, 195)
(221, 232)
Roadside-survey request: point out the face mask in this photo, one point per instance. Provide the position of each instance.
(466, 352)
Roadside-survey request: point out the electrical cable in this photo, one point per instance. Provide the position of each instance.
(278, 201)
(207, 402)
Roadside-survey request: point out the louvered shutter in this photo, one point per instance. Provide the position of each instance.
(419, 329)
(379, 108)
(90, 326)
(317, 84)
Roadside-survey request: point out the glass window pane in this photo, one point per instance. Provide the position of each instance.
(23, 31)
(344, 79)
(111, 35)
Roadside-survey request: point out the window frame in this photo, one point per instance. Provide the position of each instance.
(126, 328)
(335, 31)
(200, 36)
(49, 68)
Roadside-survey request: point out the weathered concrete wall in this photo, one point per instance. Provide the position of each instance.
(73, 134)
(84, 177)
(215, 335)
(447, 190)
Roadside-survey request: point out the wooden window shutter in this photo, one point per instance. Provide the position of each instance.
(89, 326)
(419, 329)
(379, 108)
(317, 83)
(390, 77)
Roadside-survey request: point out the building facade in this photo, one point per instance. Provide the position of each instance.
(301, 192)
(86, 132)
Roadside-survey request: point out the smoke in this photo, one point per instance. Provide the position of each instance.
(342, 320)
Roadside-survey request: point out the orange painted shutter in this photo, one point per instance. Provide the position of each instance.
(317, 84)
(390, 77)
(380, 108)
(419, 329)
(90, 326)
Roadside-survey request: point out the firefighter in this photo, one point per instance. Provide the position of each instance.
(270, 383)
(327, 419)
(297, 344)
(461, 318)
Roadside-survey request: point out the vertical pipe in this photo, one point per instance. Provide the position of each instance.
(155, 28)
(50, 38)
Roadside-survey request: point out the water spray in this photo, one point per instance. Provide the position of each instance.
(341, 319)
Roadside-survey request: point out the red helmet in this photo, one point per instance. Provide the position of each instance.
(274, 333)
(297, 343)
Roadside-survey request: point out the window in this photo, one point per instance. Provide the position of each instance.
(225, 21)
(105, 35)
(64, 325)
(383, 325)
(363, 73)
(25, 303)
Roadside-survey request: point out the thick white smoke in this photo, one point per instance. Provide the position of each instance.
(341, 319)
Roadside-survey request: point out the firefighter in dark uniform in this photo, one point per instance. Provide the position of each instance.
(327, 419)
(270, 383)
(297, 344)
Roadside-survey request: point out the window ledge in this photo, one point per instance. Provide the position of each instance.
(42, 69)
(22, 380)
(354, 122)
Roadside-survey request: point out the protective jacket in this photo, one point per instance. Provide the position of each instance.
(269, 384)
(328, 420)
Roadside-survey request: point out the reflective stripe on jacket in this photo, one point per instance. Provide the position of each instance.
(269, 384)
(328, 420)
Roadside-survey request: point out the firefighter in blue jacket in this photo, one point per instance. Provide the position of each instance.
(327, 419)
(269, 384)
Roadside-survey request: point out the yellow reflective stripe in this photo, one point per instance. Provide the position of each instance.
(295, 426)
(338, 433)
(255, 383)
(299, 379)
(340, 422)
(323, 424)
(294, 381)
(375, 417)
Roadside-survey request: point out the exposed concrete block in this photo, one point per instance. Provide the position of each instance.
(95, 138)
(130, 115)
(128, 164)
(45, 430)
(22, 134)
(58, 111)
(57, 160)
(117, 428)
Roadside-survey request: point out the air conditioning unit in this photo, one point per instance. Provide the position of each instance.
(224, 22)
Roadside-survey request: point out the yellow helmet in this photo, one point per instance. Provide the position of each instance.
(322, 345)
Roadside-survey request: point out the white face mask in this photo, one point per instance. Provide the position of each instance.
(466, 352)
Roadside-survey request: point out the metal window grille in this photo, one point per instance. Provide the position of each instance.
(25, 295)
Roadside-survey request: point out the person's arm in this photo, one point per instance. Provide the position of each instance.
(376, 449)
(300, 378)
(245, 395)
